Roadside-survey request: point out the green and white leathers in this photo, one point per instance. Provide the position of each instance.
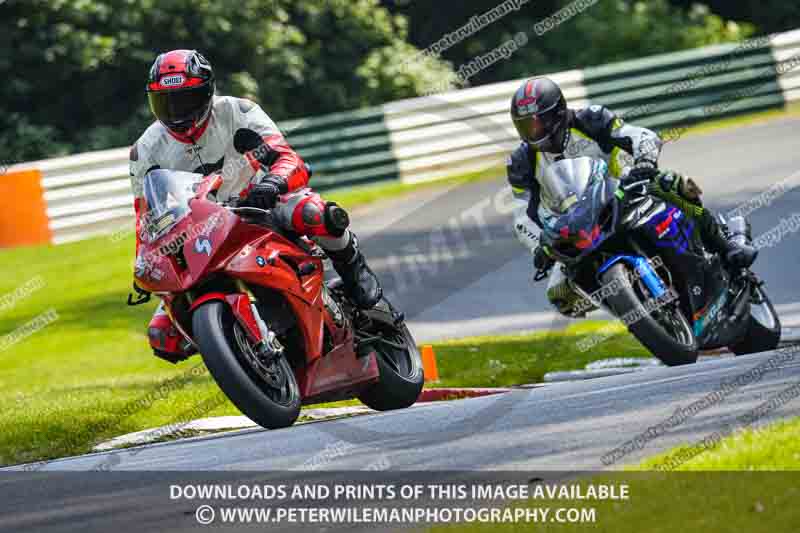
(594, 132)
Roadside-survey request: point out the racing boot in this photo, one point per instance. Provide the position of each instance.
(165, 340)
(562, 295)
(732, 243)
(359, 281)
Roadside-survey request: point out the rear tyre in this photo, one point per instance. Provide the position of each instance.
(266, 393)
(399, 363)
(764, 327)
(665, 332)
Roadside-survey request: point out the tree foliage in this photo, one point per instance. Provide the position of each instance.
(768, 16)
(609, 30)
(74, 70)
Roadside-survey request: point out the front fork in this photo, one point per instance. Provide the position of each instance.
(266, 343)
(245, 311)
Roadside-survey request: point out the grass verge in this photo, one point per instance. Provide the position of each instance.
(773, 447)
(497, 361)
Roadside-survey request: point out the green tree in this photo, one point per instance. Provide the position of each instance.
(610, 30)
(768, 16)
(75, 70)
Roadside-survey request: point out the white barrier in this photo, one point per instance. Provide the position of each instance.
(432, 137)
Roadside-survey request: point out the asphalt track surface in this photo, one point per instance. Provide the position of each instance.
(477, 289)
(568, 426)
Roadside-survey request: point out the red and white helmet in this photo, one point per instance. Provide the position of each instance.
(180, 90)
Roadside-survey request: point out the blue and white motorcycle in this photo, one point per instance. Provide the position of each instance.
(639, 257)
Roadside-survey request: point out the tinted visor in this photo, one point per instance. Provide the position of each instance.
(179, 109)
(537, 129)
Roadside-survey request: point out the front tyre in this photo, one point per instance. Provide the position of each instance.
(399, 362)
(665, 332)
(266, 393)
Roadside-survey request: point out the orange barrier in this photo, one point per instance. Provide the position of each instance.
(430, 371)
(23, 218)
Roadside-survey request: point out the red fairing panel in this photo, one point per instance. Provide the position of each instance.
(240, 305)
(138, 208)
(267, 262)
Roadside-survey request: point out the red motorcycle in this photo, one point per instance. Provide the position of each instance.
(252, 299)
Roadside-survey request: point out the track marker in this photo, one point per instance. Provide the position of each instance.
(430, 371)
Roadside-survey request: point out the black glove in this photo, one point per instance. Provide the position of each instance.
(265, 194)
(685, 187)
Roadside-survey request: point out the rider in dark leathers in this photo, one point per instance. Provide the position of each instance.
(550, 132)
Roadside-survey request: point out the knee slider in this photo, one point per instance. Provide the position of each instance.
(336, 219)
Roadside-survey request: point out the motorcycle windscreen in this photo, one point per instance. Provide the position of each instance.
(587, 221)
(564, 182)
(167, 194)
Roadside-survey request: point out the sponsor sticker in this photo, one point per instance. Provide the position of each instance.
(203, 245)
(173, 80)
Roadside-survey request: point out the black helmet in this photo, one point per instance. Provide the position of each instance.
(539, 112)
(180, 90)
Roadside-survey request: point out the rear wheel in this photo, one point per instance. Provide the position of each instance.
(399, 361)
(665, 332)
(764, 327)
(265, 391)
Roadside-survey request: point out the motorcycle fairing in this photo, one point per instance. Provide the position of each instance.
(715, 301)
(704, 317)
(233, 247)
(336, 370)
(587, 223)
(281, 268)
(174, 264)
(717, 319)
(672, 229)
(701, 279)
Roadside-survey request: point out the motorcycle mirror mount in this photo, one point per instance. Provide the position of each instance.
(143, 296)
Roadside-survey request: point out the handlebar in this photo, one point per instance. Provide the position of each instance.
(245, 209)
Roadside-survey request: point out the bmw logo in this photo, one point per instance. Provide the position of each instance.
(260, 261)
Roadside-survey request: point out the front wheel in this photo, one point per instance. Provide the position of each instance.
(399, 362)
(665, 332)
(266, 392)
